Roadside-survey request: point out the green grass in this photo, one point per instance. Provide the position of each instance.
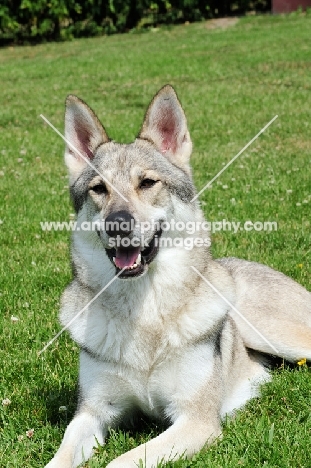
(231, 83)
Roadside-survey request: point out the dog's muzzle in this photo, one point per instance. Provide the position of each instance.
(125, 250)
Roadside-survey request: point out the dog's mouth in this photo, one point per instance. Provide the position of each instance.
(133, 260)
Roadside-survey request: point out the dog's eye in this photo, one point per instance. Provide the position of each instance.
(147, 183)
(99, 189)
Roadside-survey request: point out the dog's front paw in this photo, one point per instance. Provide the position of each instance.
(119, 463)
(53, 464)
(122, 465)
(59, 462)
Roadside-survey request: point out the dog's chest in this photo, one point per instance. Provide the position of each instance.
(132, 329)
(151, 347)
(171, 380)
(127, 335)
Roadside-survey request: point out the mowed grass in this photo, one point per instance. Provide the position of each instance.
(231, 81)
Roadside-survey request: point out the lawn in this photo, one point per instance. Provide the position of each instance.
(232, 81)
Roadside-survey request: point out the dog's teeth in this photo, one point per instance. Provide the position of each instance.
(114, 260)
(138, 261)
(135, 265)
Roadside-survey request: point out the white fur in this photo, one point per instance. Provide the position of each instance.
(164, 342)
(243, 391)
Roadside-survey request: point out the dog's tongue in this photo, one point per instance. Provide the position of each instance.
(126, 257)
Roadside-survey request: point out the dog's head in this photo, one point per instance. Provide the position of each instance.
(127, 191)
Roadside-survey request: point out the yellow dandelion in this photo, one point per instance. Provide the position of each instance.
(300, 265)
(302, 362)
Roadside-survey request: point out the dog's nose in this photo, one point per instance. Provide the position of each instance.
(120, 223)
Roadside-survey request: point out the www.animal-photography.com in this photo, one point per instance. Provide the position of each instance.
(155, 164)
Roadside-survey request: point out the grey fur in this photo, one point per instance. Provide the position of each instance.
(160, 339)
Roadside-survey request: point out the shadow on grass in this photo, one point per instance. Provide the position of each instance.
(59, 403)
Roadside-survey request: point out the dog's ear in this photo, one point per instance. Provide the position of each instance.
(85, 133)
(165, 125)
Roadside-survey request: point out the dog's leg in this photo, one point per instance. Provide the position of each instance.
(276, 306)
(83, 433)
(183, 439)
(101, 405)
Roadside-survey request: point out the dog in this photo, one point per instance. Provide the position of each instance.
(163, 328)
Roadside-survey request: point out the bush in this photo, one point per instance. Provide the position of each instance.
(36, 21)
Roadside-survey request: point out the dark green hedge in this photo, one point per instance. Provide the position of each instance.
(42, 20)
